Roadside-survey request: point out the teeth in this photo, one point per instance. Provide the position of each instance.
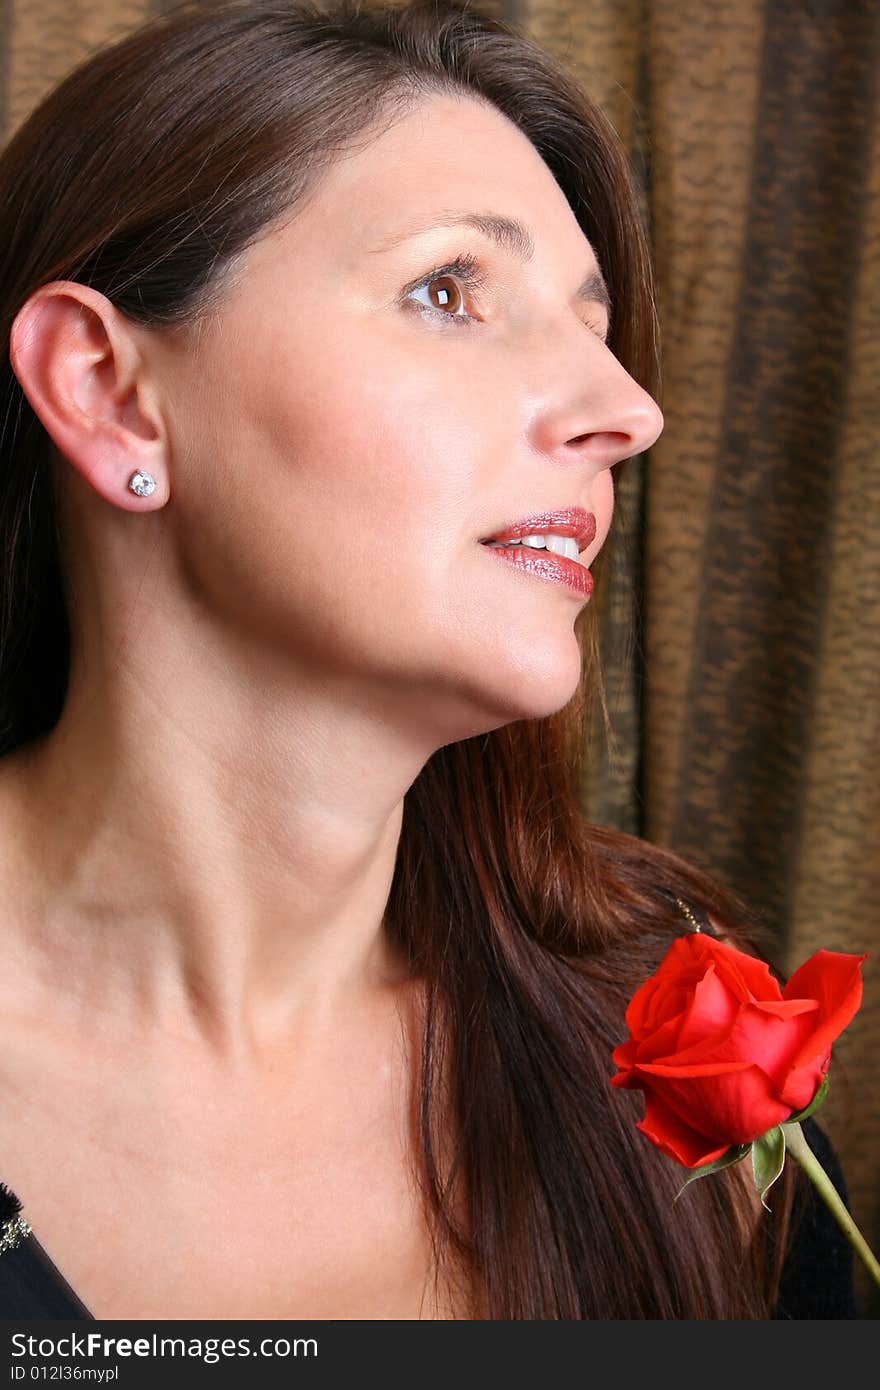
(557, 545)
(563, 545)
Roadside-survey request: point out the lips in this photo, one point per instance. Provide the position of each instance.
(563, 521)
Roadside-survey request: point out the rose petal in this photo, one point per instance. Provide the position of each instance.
(693, 1069)
(638, 1006)
(624, 1055)
(755, 1036)
(675, 1136)
(713, 1010)
(735, 1107)
(744, 975)
(684, 965)
(834, 979)
(667, 1003)
(660, 1043)
(801, 1084)
(679, 968)
(747, 976)
(786, 1008)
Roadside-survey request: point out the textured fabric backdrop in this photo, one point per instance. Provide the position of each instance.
(741, 612)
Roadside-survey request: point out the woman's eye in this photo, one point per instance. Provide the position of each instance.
(443, 289)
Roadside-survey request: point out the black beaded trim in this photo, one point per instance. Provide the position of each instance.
(13, 1227)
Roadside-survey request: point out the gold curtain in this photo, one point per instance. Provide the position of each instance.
(740, 616)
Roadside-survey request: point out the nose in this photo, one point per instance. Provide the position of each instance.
(593, 411)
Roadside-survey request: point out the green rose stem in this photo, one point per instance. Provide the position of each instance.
(801, 1152)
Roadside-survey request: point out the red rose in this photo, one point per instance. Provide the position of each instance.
(721, 1052)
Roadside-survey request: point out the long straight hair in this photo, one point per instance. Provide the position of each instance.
(146, 174)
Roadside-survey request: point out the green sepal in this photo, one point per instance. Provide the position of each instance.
(813, 1105)
(768, 1158)
(733, 1155)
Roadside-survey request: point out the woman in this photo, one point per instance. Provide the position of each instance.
(314, 966)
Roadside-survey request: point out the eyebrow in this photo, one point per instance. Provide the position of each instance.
(512, 236)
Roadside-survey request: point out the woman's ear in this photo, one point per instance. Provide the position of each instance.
(81, 367)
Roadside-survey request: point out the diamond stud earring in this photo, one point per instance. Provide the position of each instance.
(142, 483)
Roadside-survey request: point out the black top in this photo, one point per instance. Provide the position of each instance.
(30, 1284)
(817, 1280)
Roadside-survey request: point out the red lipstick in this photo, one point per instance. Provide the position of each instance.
(545, 564)
(563, 521)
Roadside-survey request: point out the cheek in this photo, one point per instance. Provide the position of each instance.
(341, 483)
(380, 446)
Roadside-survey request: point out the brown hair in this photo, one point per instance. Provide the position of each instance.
(145, 174)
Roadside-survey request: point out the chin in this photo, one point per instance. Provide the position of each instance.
(539, 686)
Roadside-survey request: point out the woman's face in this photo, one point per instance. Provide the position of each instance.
(349, 430)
